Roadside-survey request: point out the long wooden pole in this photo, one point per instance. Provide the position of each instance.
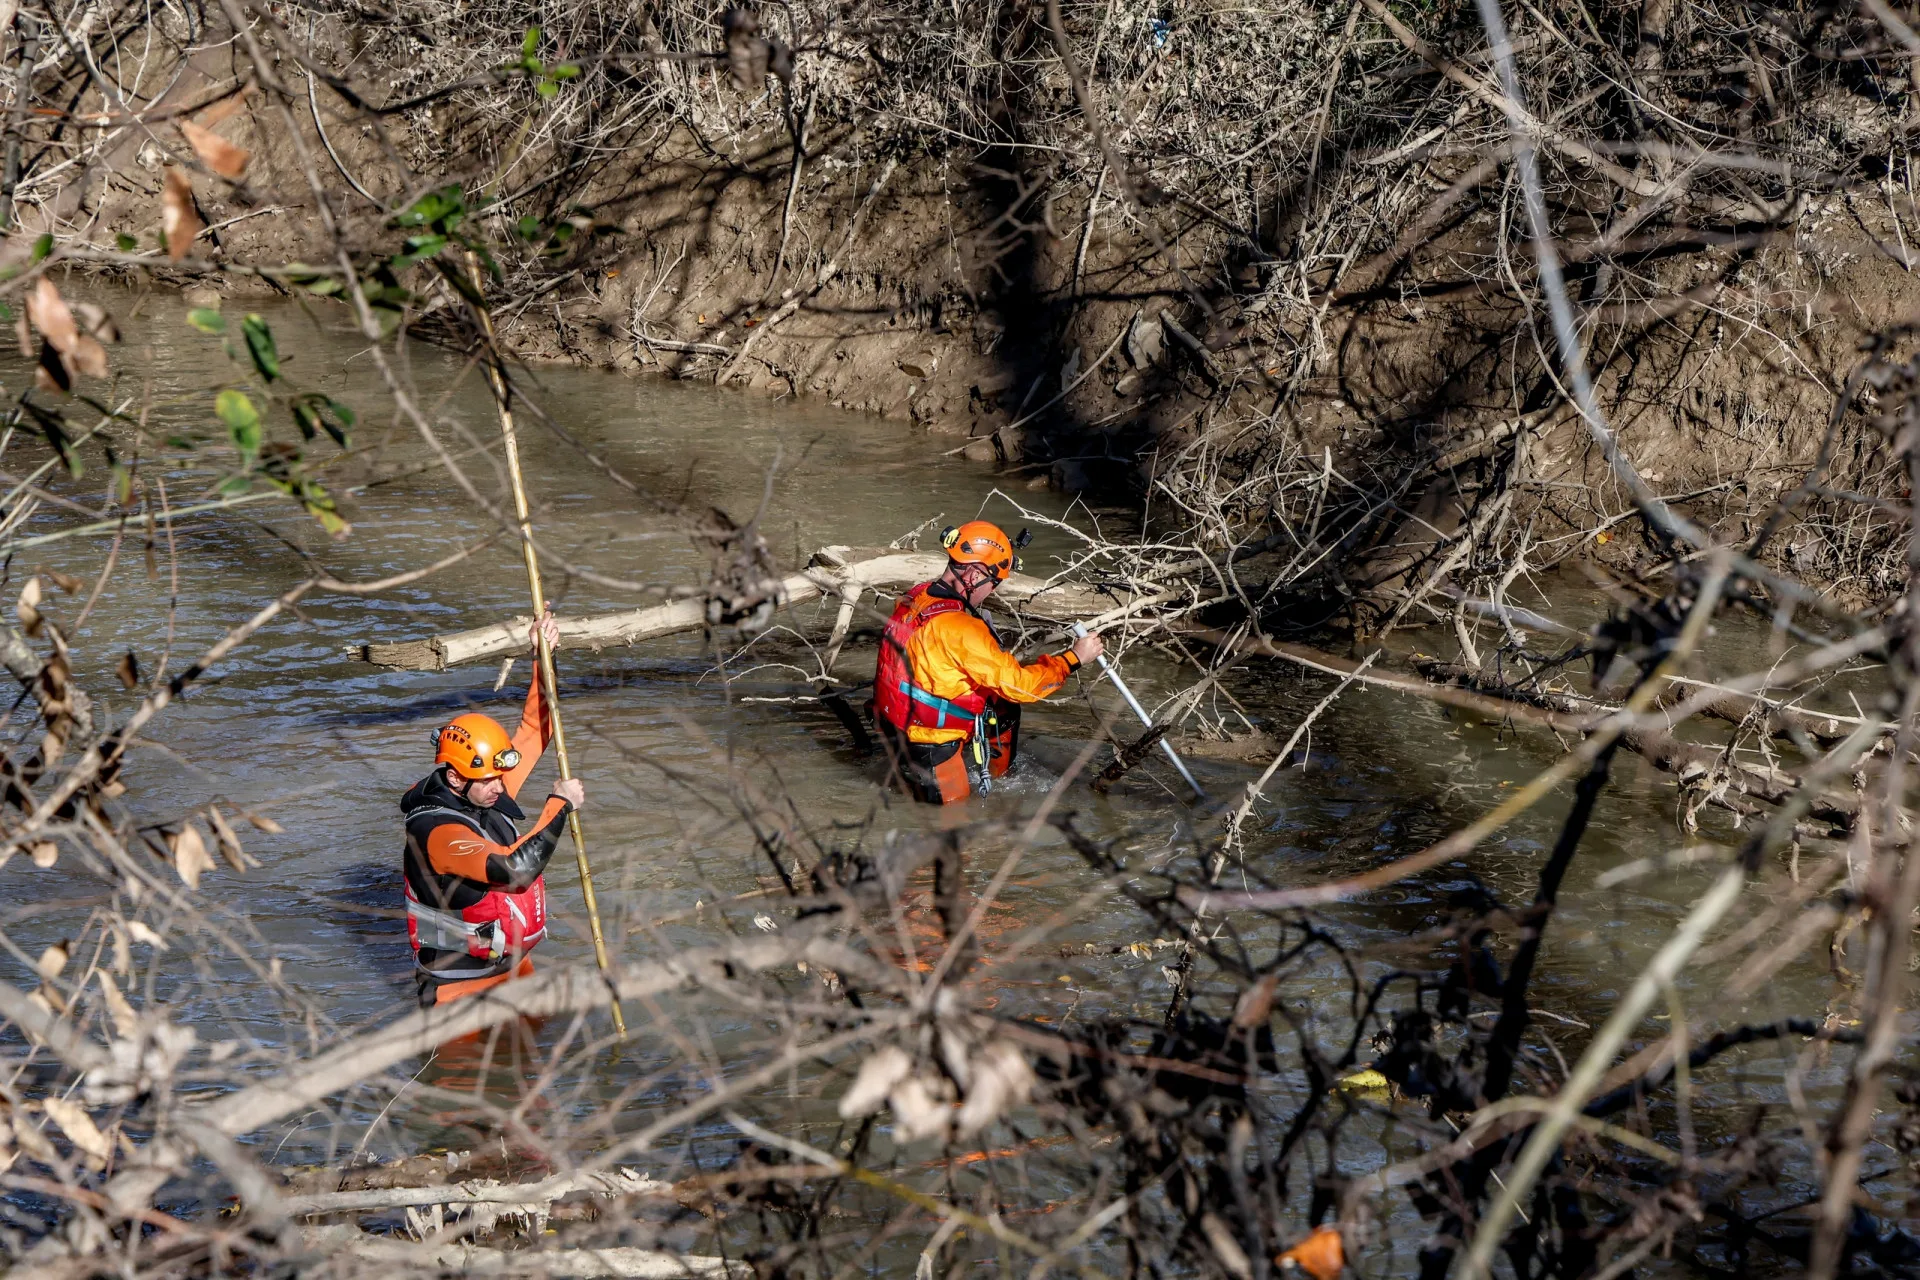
(504, 403)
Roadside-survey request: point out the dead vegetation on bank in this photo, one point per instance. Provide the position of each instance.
(1391, 314)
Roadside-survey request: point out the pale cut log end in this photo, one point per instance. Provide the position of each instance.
(407, 655)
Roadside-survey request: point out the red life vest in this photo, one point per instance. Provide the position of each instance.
(500, 927)
(896, 698)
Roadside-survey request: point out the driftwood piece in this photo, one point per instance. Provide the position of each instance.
(546, 994)
(436, 1169)
(841, 571)
(486, 1191)
(472, 1260)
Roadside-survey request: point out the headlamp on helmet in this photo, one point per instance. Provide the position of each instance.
(985, 544)
(476, 747)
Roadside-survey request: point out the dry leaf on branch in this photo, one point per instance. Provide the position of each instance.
(77, 347)
(54, 689)
(32, 1141)
(125, 1021)
(50, 315)
(190, 857)
(129, 671)
(79, 1128)
(44, 853)
(999, 1080)
(214, 151)
(225, 109)
(1233, 1259)
(140, 931)
(95, 321)
(920, 1108)
(179, 220)
(1255, 1004)
(230, 847)
(261, 822)
(51, 961)
(27, 607)
(882, 1070)
(87, 358)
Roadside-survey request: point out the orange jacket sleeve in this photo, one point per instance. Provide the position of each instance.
(533, 735)
(455, 849)
(966, 642)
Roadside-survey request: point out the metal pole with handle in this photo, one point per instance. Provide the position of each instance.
(503, 401)
(1106, 669)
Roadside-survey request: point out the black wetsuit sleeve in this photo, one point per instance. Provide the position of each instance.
(455, 849)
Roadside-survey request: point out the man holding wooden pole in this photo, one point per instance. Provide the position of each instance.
(476, 888)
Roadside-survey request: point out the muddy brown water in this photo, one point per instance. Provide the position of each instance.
(290, 726)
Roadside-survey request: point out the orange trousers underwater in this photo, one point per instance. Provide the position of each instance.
(438, 993)
(940, 773)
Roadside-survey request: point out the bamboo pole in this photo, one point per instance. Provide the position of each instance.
(504, 403)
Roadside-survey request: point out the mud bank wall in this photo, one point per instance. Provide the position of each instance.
(1264, 262)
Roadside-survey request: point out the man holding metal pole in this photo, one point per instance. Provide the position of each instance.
(946, 694)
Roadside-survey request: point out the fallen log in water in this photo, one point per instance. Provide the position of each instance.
(520, 1196)
(1456, 686)
(471, 1260)
(845, 572)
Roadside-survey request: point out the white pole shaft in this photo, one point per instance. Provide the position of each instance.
(1106, 669)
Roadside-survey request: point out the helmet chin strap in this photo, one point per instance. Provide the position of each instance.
(971, 575)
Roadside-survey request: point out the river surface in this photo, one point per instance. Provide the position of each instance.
(292, 728)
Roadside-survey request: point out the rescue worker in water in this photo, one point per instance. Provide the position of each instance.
(476, 896)
(946, 695)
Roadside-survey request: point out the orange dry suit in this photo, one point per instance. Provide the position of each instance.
(475, 890)
(946, 695)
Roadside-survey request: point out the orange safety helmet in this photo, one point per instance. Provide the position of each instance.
(477, 747)
(982, 542)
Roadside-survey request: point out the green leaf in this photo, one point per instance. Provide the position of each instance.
(528, 227)
(441, 210)
(122, 484)
(565, 71)
(266, 357)
(207, 321)
(242, 419)
(314, 413)
(43, 246)
(345, 414)
(530, 43)
(234, 486)
(546, 88)
(321, 506)
(306, 416)
(417, 248)
(126, 242)
(53, 426)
